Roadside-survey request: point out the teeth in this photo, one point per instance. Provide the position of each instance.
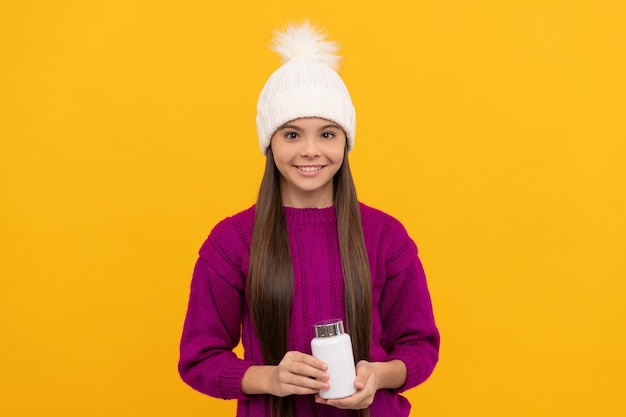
(309, 169)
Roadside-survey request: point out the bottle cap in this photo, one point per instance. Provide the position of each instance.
(328, 328)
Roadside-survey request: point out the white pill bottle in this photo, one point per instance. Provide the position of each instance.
(333, 346)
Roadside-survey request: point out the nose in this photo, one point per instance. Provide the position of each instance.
(310, 147)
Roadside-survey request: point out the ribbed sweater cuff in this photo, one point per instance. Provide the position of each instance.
(229, 382)
(417, 370)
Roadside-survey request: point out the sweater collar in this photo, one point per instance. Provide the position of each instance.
(310, 215)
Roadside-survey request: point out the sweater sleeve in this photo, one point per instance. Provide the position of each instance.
(410, 333)
(212, 326)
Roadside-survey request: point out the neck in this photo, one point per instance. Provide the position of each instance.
(320, 198)
(312, 202)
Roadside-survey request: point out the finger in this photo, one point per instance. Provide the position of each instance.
(363, 373)
(298, 374)
(305, 371)
(306, 359)
(356, 401)
(306, 382)
(305, 365)
(361, 399)
(300, 390)
(287, 383)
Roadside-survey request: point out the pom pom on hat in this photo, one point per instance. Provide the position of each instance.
(306, 85)
(306, 40)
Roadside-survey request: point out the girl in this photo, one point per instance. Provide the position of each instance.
(307, 251)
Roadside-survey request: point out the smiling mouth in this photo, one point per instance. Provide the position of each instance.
(309, 169)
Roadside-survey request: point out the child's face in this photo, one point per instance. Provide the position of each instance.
(308, 152)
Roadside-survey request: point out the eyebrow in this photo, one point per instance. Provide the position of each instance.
(299, 129)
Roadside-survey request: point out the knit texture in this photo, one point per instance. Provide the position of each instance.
(218, 316)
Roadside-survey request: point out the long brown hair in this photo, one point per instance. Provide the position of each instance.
(270, 273)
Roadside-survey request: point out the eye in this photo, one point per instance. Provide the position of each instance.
(328, 135)
(291, 135)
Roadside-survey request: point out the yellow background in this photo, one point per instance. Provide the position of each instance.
(494, 130)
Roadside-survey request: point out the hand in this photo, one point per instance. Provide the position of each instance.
(298, 373)
(366, 384)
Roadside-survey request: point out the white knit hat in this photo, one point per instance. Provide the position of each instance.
(306, 85)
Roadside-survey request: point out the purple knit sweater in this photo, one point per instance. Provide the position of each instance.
(218, 316)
